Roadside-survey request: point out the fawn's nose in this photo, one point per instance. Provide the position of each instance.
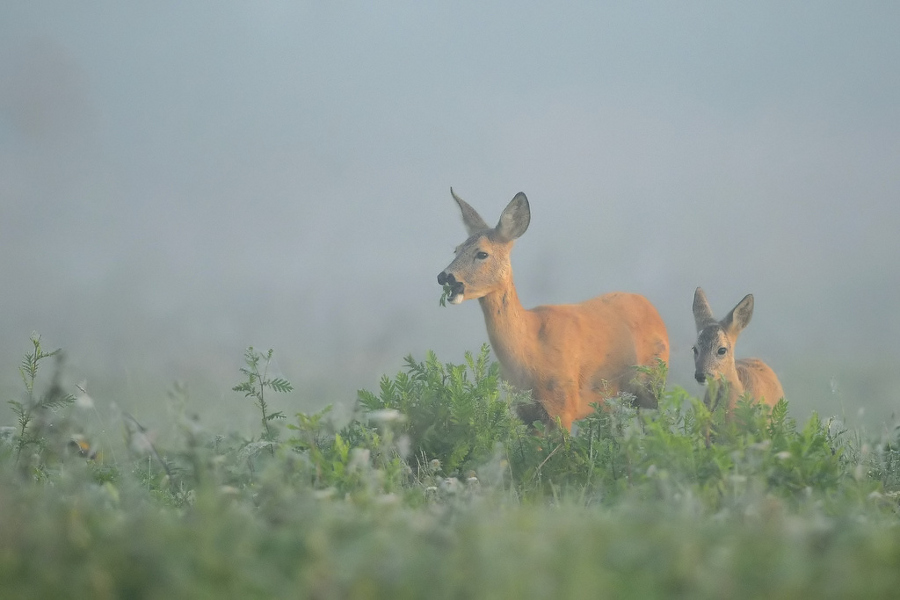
(446, 278)
(700, 376)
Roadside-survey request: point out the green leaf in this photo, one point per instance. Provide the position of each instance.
(281, 385)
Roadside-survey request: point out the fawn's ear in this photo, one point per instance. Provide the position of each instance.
(702, 312)
(471, 219)
(515, 218)
(739, 317)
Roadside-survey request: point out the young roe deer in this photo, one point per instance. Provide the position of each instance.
(567, 355)
(714, 356)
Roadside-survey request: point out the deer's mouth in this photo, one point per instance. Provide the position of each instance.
(453, 289)
(454, 292)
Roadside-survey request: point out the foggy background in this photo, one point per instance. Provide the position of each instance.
(182, 180)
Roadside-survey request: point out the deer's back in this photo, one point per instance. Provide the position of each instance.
(617, 327)
(646, 331)
(760, 380)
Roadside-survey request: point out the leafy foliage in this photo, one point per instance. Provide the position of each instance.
(256, 383)
(434, 487)
(455, 414)
(445, 293)
(34, 414)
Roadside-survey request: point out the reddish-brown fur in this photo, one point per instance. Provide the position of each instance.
(568, 355)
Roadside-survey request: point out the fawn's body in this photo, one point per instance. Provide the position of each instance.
(714, 356)
(568, 355)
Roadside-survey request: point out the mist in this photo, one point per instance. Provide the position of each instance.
(179, 182)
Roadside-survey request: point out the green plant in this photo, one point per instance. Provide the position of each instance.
(33, 414)
(447, 290)
(654, 377)
(680, 449)
(357, 461)
(255, 385)
(451, 413)
(681, 501)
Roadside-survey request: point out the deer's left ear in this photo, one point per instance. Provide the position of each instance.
(515, 218)
(739, 317)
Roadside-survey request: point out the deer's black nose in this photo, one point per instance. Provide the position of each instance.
(700, 376)
(445, 278)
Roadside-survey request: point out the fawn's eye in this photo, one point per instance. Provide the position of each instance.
(481, 255)
(722, 351)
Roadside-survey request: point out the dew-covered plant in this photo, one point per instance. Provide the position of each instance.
(455, 414)
(256, 382)
(35, 412)
(432, 476)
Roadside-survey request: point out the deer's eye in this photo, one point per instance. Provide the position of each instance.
(481, 255)
(722, 351)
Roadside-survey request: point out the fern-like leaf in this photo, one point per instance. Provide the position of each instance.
(281, 385)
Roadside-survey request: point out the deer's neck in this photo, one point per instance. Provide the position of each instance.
(511, 329)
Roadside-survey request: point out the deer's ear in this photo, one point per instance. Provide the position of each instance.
(739, 317)
(515, 218)
(702, 312)
(471, 219)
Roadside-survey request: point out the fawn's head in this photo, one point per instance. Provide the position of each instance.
(482, 262)
(714, 350)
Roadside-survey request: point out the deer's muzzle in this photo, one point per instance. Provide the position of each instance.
(456, 287)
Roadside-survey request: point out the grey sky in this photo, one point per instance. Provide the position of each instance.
(182, 180)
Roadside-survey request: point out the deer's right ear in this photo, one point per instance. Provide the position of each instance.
(514, 219)
(702, 312)
(471, 219)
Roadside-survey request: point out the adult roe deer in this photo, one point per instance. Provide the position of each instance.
(714, 356)
(567, 355)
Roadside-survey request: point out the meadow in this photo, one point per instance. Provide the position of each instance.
(433, 488)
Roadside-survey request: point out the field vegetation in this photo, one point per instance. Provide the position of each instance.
(435, 489)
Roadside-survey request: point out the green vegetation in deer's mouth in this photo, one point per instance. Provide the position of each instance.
(446, 294)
